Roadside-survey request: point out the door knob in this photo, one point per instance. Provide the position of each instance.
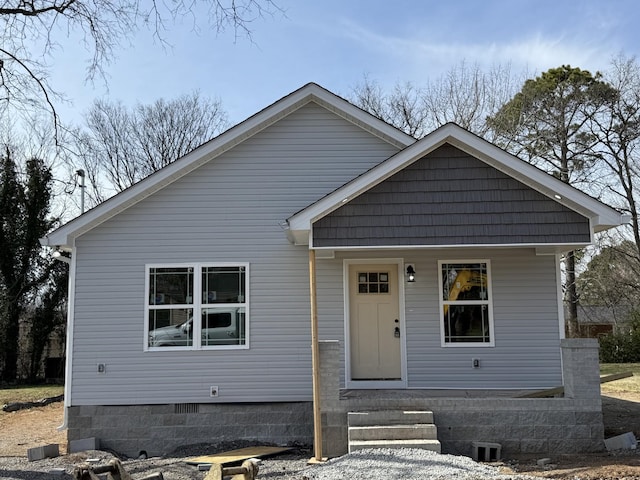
(396, 332)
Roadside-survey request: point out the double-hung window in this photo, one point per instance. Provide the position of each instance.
(196, 306)
(465, 303)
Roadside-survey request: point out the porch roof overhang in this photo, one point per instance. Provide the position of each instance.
(601, 217)
(540, 248)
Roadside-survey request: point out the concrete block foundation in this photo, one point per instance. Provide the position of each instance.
(83, 444)
(158, 429)
(541, 426)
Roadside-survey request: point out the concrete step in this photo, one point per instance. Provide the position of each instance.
(392, 429)
(433, 445)
(424, 431)
(389, 417)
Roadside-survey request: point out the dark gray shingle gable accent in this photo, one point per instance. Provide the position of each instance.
(449, 197)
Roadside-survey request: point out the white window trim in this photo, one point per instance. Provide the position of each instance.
(197, 306)
(489, 303)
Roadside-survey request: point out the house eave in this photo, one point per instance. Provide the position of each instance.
(298, 237)
(601, 224)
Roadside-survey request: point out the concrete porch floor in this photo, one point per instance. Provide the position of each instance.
(395, 394)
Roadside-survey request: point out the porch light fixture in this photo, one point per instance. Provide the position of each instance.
(411, 273)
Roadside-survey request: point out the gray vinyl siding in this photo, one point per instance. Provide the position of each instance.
(526, 354)
(450, 198)
(229, 210)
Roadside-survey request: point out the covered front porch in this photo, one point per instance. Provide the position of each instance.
(438, 274)
(567, 424)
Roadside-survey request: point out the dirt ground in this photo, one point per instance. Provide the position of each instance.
(25, 429)
(29, 428)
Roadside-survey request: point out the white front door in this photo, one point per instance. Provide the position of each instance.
(374, 323)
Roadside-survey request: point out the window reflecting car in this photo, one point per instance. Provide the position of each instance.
(219, 327)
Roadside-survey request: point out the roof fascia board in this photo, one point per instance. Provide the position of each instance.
(540, 248)
(535, 178)
(222, 143)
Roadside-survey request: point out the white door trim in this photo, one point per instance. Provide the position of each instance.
(369, 384)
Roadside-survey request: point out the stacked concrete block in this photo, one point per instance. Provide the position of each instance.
(334, 417)
(329, 374)
(84, 444)
(581, 369)
(158, 429)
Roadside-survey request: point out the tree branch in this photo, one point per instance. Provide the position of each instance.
(33, 11)
(40, 84)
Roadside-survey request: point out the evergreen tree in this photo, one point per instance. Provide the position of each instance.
(24, 219)
(548, 123)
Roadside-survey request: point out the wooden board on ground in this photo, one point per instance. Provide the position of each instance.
(236, 456)
(552, 392)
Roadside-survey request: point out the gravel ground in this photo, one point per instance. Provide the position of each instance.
(404, 464)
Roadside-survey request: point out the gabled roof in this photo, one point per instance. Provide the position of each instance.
(64, 236)
(600, 215)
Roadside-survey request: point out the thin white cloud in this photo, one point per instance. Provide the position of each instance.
(534, 52)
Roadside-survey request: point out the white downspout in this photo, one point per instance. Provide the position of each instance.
(69, 341)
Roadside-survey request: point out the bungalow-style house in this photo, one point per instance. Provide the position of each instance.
(430, 270)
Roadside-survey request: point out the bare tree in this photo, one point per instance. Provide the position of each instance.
(465, 95)
(167, 130)
(618, 130)
(110, 143)
(121, 145)
(403, 107)
(30, 32)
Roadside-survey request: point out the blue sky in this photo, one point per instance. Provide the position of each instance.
(336, 42)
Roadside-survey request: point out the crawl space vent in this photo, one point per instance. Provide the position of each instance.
(186, 408)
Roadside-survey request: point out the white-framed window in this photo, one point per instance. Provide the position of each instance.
(196, 306)
(466, 303)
